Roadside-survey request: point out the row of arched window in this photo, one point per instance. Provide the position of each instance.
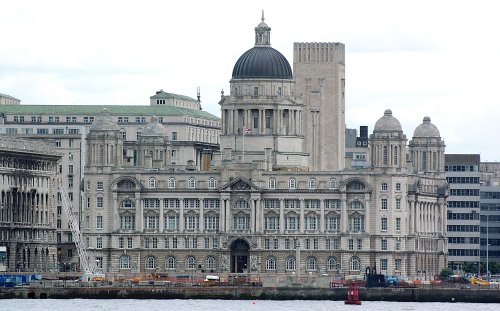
(384, 187)
(171, 263)
(312, 184)
(192, 183)
(210, 264)
(312, 264)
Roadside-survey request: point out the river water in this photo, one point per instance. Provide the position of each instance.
(222, 305)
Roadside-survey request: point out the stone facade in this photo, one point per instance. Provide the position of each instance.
(268, 203)
(190, 131)
(28, 204)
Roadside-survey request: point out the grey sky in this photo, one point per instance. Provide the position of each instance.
(418, 58)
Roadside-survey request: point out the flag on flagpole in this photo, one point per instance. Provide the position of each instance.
(247, 130)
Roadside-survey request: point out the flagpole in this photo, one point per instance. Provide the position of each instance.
(244, 130)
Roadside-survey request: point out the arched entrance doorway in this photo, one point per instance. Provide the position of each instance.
(240, 255)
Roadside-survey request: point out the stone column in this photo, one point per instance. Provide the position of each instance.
(282, 216)
(322, 215)
(302, 219)
(252, 215)
(116, 216)
(368, 214)
(343, 216)
(228, 216)
(202, 216)
(181, 216)
(162, 217)
(139, 213)
(222, 216)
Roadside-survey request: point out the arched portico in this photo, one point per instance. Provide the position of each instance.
(240, 256)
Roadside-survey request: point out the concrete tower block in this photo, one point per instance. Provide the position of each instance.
(319, 69)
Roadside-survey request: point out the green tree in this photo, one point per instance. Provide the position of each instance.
(445, 273)
(470, 267)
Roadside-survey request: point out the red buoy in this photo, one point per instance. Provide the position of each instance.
(352, 295)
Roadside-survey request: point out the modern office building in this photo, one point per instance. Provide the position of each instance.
(490, 213)
(28, 187)
(277, 198)
(463, 176)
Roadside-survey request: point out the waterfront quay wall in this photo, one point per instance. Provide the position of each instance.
(154, 292)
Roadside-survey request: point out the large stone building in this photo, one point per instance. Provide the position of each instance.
(8, 100)
(190, 130)
(276, 199)
(28, 187)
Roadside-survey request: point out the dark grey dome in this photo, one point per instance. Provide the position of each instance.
(262, 62)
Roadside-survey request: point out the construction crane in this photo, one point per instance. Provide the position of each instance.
(87, 266)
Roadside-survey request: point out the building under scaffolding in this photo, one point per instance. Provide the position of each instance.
(27, 207)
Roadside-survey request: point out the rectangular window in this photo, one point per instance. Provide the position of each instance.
(383, 244)
(328, 244)
(174, 135)
(146, 242)
(287, 243)
(98, 243)
(336, 244)
(174, 243)
(100, 185)
(99, 202)
(384, 203)
(98, 223)
(42, 131)
(351, 244)
(266, 244)
(398, 203)
(383, 264)
(398, 224)
(383, 224)
(398, 245)
(155, 242)
(129, 242)
(359, 244)
(121, 243)
(397, 264)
